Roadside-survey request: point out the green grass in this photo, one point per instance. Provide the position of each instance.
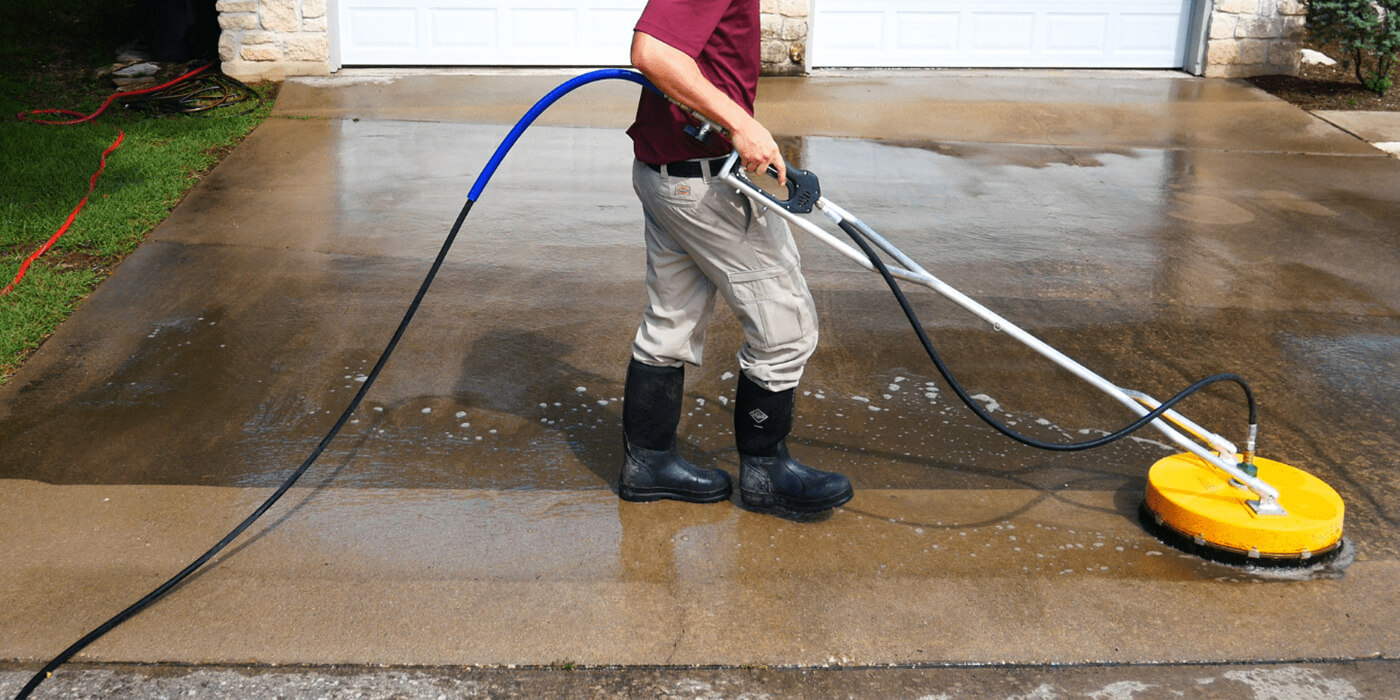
(48, 52)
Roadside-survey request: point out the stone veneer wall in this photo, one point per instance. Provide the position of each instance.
(1255, 37)
(272, 39)
(784, 36)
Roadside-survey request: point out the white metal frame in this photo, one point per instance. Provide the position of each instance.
(1223, 454)
(333, 38)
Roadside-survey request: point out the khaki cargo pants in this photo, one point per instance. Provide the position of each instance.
(704, 237)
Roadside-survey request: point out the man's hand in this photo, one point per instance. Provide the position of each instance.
(757, 150)
(675, 73)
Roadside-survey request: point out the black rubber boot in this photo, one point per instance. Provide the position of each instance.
(652, 468)
(769, 478)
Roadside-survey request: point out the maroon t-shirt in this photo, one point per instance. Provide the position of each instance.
(723, 38)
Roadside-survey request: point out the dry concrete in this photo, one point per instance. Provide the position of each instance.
(1292, 681)
(1381, 129)
(1158, 228)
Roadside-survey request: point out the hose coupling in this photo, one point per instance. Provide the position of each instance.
(1247, 464)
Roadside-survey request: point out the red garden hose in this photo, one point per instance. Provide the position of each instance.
(79, 118)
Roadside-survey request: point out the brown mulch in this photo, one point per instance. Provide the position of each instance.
(1328, 87)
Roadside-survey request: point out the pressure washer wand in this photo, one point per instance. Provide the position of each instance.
(804, 195)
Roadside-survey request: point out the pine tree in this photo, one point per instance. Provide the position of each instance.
(1368, 30)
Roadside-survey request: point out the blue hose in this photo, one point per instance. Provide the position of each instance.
(481, 180)
(544, 103)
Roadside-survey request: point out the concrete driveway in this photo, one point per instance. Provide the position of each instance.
(1158, 228)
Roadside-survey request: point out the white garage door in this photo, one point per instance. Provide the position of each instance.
(999, 33)
(486, 32)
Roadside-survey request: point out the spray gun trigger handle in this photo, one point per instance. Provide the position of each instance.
(803, 188)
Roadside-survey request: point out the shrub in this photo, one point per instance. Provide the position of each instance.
(1368, 30)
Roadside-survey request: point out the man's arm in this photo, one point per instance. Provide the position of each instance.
(676, 74)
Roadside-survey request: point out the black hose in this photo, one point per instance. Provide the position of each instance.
(175, 580)
(1002, 428)
(196, 95)
(194, 98)
(478, 187)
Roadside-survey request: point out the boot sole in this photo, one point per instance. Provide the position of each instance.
(765, 501)
(647, 495)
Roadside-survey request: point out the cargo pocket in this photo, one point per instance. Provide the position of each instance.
(774, 306)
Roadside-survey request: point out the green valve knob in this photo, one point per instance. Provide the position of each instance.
(1249, 469)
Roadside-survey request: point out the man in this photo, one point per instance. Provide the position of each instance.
(703, 239)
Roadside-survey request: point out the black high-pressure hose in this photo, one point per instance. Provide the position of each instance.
(480, 184)
(1002, 428)
(482, 179)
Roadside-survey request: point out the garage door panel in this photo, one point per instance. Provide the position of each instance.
(463, 28)
(999, 33)
(1148, 32)
(486, 32)
(382, 28)
(1002, 31)
(539, 28)
(605, 25)
(1076, 33)
(928, 31)
(860, 31)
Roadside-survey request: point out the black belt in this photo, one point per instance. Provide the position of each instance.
(692, 168)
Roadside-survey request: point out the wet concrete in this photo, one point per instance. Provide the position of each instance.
(1161, 109)
(1157, 228)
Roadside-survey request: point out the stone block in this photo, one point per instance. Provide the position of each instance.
(238, 21)
(1295, 28)
(1248, 70)
(1254, 51)
(794, 8)
(265, 52)
(770, 26)
(280, 16)
(251, 38)
(306, 68)
(257, 71)
(1245, 26)
(313, 8)
(797, 53)
(1222, 26)
(1238, 7)
(228, 46)
(774, 52)
(768, 7)
(1223, 53)
(794, 29)
(1286, 55)
(314, 24)
(304, 47)
(1258, 27)
(1292, 8)
(236, 6)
